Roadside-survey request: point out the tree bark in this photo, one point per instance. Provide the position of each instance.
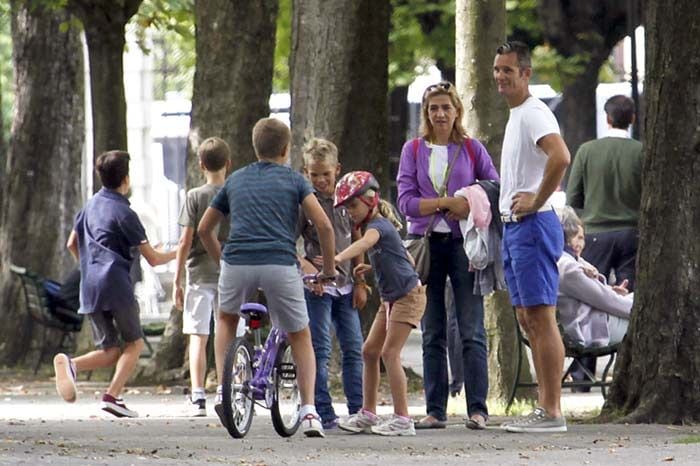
(105, 22)
(578, 115)
(480, 29)
(588, 29)
(3, 148)
(42, 189)
(235, 45)
(232, 85)
(339, 86)
(339, 76)
(657, 378)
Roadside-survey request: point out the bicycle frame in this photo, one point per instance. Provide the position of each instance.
(264, 362)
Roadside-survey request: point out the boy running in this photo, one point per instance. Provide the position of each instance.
(104, 234)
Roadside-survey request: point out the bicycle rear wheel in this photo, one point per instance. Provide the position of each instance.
(286, 401)
(237, 402)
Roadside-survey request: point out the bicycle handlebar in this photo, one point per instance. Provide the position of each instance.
(312, 279)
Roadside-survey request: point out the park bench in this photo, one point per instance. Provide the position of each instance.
(65, 321)
(571, 350)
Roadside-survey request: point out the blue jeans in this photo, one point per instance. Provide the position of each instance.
(336, 309)
(447, 257)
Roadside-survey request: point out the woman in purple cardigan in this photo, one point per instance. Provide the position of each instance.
(422, 172)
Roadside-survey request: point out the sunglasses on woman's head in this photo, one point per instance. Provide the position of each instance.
(443, 85)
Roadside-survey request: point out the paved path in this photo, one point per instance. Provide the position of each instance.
(36, 427)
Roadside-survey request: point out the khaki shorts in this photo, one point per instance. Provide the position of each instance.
(408, 309)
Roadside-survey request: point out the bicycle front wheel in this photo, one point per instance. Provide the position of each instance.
(286, 402)
(237, 402)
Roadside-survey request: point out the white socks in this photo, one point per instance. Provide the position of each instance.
(307, 409)
(198, 394)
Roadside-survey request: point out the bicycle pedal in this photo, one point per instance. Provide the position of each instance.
(287, 371)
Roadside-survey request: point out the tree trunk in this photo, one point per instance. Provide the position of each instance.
(232, 86)
(3, 147)
(233, 77)
(480, 29)
(42, 190)
(578, 115)
(339, 86)
(105, 22)
(657, 378)
(339, 76)
(587, 29)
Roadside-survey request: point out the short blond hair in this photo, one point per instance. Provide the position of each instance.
(270, 137)
(320, 150)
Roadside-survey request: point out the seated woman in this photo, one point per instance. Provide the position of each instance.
(591, 312)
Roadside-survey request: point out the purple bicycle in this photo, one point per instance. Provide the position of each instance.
(263, 376)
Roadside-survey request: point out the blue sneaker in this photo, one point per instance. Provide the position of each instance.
(330, 424)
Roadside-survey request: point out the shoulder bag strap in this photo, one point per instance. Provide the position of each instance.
(470, 150)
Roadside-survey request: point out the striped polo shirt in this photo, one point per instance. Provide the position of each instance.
(263, 201)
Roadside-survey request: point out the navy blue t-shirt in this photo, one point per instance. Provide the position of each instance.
(394, 273)
(107, 230)
(262, 200)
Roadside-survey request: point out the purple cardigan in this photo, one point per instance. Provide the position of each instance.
(413, 179)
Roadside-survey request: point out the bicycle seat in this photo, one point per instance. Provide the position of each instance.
(250, 308)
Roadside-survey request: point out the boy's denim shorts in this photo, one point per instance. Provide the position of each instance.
(531, 249)
(282, 285)
(108, 327)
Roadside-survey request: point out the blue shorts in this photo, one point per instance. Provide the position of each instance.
(531, 249)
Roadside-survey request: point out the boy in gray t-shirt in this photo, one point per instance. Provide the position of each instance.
(200, 298)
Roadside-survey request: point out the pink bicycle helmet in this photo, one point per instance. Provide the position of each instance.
(355, 184)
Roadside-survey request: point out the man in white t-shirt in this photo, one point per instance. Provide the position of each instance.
(533, 163)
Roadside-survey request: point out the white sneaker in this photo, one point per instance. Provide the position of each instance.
(65, 377)
(361, 421)
(311, 426)
(395, 426)
(196, 408)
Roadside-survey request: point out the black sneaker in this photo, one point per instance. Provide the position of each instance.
(197, 408)
(116, 407)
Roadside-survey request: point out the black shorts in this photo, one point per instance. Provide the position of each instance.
(108, 327)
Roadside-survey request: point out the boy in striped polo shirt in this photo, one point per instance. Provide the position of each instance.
(262, 201)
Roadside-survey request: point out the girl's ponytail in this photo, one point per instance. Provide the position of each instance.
(387, 211)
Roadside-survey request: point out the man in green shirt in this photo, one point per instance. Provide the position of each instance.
(605, 185)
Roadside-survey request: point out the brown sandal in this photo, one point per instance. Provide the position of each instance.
(430, 422)
(476, 422)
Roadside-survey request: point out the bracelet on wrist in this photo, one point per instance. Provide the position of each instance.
(363, 284)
